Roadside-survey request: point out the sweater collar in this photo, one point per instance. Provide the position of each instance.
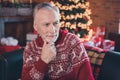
(60, 39)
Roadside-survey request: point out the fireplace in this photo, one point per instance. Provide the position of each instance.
(16, 27)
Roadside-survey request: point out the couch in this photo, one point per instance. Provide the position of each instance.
(11, 65)
(105, 65)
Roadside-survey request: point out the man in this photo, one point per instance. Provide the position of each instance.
(55, 54)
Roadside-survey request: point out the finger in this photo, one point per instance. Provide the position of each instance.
(45, 40)
(52, 44)
(48, 42)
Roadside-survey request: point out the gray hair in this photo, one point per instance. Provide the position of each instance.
(45, 5)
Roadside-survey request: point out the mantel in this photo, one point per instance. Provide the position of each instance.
(5, 19)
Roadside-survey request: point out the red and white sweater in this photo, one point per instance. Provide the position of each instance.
(71, 63)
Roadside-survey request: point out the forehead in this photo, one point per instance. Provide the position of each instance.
(47, 14)
(46, 11)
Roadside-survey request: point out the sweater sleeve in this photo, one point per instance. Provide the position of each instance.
(84, 72)
(81, 64)
(33, 67)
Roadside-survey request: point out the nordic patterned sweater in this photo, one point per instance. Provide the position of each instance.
(71, 62)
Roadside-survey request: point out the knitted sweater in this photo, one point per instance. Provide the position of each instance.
(71, 62)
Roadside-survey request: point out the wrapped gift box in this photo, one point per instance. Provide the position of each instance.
(4, 49)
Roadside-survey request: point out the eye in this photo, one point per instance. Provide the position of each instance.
(47, 24)
(55, 23)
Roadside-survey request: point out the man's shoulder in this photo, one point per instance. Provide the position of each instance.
(34, 44)
(64, 34)
(71, 38)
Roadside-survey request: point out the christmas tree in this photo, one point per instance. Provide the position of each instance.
(75, 16)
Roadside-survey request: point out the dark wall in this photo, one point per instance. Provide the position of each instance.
(106, 13)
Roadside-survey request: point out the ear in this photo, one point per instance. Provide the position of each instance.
(35, 28)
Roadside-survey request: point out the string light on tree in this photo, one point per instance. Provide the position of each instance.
(75, 16)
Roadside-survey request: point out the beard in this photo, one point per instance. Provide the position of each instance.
(53, 39)
(50, 38)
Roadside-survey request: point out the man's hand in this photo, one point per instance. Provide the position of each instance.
(48, 52)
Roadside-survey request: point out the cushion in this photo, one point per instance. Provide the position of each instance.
(11, 65)
(96, 59)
